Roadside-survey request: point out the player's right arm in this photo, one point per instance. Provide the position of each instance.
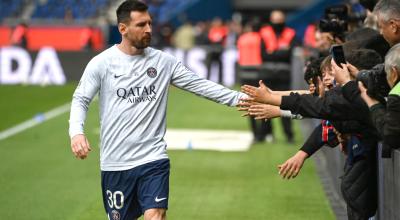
(80, 146)
(88, 87)
(185, 79)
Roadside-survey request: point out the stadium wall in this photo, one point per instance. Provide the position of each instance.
(62, 38)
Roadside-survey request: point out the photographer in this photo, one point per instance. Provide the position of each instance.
(387, 120)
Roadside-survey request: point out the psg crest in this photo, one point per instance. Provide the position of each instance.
(115, 215)
(151, 72)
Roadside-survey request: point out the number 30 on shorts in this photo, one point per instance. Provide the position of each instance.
(116, 199)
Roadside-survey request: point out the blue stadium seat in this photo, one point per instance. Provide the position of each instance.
(81, 9)
(10, 8)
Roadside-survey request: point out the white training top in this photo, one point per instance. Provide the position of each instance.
(133, 94)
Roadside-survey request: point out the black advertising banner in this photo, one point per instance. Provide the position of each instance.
(46, 66)
(50, 67)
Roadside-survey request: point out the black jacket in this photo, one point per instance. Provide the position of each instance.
(322, 135)
(347, 117)
(333, 106)
(359, 185)
(387, 121)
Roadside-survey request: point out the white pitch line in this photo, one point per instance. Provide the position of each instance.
(219, 140)
(38, 119)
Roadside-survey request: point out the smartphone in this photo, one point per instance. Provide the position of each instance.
(337, 53)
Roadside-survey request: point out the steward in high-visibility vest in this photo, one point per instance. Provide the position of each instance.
(309, 36)
(273, 42)
(216, 36)
(250, 60)
(276, 52)
(249, 49)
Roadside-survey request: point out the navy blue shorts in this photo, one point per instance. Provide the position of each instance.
(128, 194)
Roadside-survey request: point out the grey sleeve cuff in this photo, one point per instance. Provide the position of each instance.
(288, 114)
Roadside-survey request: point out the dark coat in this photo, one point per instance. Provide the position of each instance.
(387, 121)
(359, 182)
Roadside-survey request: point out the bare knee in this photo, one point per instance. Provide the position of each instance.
(155, 214)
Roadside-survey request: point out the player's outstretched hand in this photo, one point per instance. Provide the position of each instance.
(264, 111)
(259, 94)
(80, 146)
(244, 105)
(292, 167)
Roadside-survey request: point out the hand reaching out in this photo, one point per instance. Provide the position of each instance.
(264, 111)
(244, 105)
(292, 167)
(260, 94)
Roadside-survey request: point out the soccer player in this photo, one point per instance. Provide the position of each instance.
(132, 80)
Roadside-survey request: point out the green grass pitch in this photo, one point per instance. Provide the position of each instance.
(40, 179)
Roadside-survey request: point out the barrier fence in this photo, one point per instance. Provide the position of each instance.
(389, 186)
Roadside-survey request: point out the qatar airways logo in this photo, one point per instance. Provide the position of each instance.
(138, 94)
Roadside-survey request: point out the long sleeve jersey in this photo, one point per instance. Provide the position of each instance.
(133, 93)
(322, 135)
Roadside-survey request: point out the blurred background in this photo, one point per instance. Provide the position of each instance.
(44, 48)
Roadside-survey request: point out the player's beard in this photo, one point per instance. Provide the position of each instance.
(142, 43)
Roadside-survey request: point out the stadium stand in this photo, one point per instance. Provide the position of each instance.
(10, 8)
(80, 9)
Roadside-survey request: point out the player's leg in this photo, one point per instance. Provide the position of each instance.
(119, 194)
(153, 189)
(155, 214)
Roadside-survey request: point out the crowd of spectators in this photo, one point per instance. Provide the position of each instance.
(355, 94)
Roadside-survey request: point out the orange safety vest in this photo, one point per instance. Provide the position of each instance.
(272, 43)
(249, 48)
(17, 35)
(309, 36)
(217, 34)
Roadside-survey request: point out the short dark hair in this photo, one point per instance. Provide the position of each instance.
(368, 4)
(313, 69)
(364, 59)
(366, 38)
(326, 63)
(124, 10)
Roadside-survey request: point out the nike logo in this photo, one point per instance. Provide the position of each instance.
(117, 76)
(159, 199)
